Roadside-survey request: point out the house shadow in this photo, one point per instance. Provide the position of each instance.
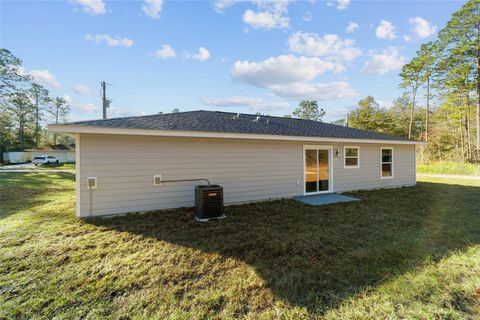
(316, 257)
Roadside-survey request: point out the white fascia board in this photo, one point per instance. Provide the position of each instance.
(73, 129)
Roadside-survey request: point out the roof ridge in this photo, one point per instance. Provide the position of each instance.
(129, 117)
(313, 122)
(279, 117)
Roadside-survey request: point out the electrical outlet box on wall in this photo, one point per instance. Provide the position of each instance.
(92, 183)
(157, 180)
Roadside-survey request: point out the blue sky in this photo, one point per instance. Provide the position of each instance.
(238, 56)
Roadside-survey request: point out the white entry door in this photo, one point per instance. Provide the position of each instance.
(317, 168)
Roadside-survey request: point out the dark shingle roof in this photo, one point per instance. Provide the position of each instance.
(227, 122)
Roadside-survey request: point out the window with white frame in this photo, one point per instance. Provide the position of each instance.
(386, 166)
(351, 157)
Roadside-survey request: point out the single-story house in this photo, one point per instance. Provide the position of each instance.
(65, 153)
(252, 157)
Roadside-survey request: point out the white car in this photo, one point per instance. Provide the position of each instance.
(44, 160)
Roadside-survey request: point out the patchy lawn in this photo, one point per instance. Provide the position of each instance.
(449, 167)
(56, 166)
(62, 166)
(399, 253)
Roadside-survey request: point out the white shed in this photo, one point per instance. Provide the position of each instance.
(17, 157)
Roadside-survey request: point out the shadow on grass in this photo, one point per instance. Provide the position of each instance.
(20, 191)
(56, 166)
(316, 257)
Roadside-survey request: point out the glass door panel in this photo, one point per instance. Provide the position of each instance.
(317, 173)
(311, 171)
(323, 170)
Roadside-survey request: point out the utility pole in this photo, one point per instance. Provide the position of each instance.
(37, 111)
(105, 101)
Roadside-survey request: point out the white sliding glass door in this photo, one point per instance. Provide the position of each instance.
(317, 168)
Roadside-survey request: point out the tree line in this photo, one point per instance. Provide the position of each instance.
(446, 74)
(24, 108)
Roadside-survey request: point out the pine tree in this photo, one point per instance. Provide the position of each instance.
(60, 111)
(461, 38)
(20, 108)
(41, 98)
(309, 110)
(411, 80)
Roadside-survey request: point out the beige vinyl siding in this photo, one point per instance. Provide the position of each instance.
(248, 170)
(367, 176)
(125, 166)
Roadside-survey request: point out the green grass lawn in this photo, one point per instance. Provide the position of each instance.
(56, 166)
(399, 253)
(62, 166)
(469, 169)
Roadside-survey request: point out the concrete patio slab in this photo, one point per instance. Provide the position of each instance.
(322, 199)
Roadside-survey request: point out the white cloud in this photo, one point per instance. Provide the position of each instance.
(166, 52)
(422, 27)
(152, 8)
(315, 91)
(82, 89)
(339, 112)
(87, 108)
(382, 62)
(270, 15)
(255, 104)
(265, 20)
(385, 30)
(343, 4)
(352, 26)
(280, 70)
(44, 77)
(307, 16)
(407, 38)
(109, 40)
(384, 103)
(330, 46)
(220, 5)
(93, 7)
(94, 111)
(236, 101)
(289, 76)
(202, 55)
(115, 112)
(67, 99)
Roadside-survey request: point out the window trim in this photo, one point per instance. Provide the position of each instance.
(381, 163)
(345, 157)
